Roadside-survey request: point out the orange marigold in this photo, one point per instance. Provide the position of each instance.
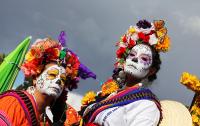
(109, 87)
(195, 112)
(88, 98)
(191, 81)
(163, 45)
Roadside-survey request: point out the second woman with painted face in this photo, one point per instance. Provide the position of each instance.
(122, 100)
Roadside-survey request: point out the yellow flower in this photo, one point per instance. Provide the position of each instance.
(131, 30)
(89, 97)
(109, 87)
(163, 44)
(29, 56)
(191, 81)
(195, 118)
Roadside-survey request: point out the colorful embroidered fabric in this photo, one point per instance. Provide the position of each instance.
(72, 116)
(19, 108)
(122, 98)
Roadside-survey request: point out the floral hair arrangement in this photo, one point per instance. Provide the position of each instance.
(47, 50)
(153, 34)
(192, 82)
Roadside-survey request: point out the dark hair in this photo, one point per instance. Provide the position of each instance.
(155, 65)
(59, 109)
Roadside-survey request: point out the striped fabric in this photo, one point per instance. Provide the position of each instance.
(122, 98)
(4, 120)
(25, 103)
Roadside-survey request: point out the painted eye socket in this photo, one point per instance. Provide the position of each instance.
(132, 54)
(63, 78)
(51, 76)
(144, 59)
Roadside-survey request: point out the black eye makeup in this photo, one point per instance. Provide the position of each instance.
(132, 54)
(145, 59)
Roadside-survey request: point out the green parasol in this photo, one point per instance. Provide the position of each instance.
(11, 65)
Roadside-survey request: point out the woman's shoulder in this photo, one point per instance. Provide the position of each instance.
(143, 103)
(12, 109)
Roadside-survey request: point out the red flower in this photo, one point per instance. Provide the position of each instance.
(91, 124)
(143, 37)
(116, 64)
(52, 54)
(151, 32)
(131, 43)
(120, 52)
(124, 39)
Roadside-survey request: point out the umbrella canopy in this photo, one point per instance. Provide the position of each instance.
(11, 65)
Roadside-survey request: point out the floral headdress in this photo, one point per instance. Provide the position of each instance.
(47, 50)
(153, 34)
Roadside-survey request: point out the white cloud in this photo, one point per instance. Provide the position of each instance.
(193, 23)
(190, 24)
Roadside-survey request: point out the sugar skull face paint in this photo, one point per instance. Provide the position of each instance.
(51, 81)
(139, 61)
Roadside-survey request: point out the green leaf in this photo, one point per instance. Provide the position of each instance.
(139, 41)
(62, 54)
(121, 61)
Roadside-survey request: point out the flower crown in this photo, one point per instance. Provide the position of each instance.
(47, 50)
(153, 34)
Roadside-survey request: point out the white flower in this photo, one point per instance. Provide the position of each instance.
(134, 36)
(121, 44)
(145, 31)
(153, 39)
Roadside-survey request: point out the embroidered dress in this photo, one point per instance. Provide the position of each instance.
(16, 111)
(131, 107)
(139, 113)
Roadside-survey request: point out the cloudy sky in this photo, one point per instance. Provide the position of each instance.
(94, 26)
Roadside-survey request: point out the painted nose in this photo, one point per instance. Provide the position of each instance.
(58, 82)
(135, 60)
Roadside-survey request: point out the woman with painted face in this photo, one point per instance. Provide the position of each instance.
(123, 101)
(54, 70)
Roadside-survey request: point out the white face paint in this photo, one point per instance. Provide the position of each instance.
(139, 61)
(51, 81)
